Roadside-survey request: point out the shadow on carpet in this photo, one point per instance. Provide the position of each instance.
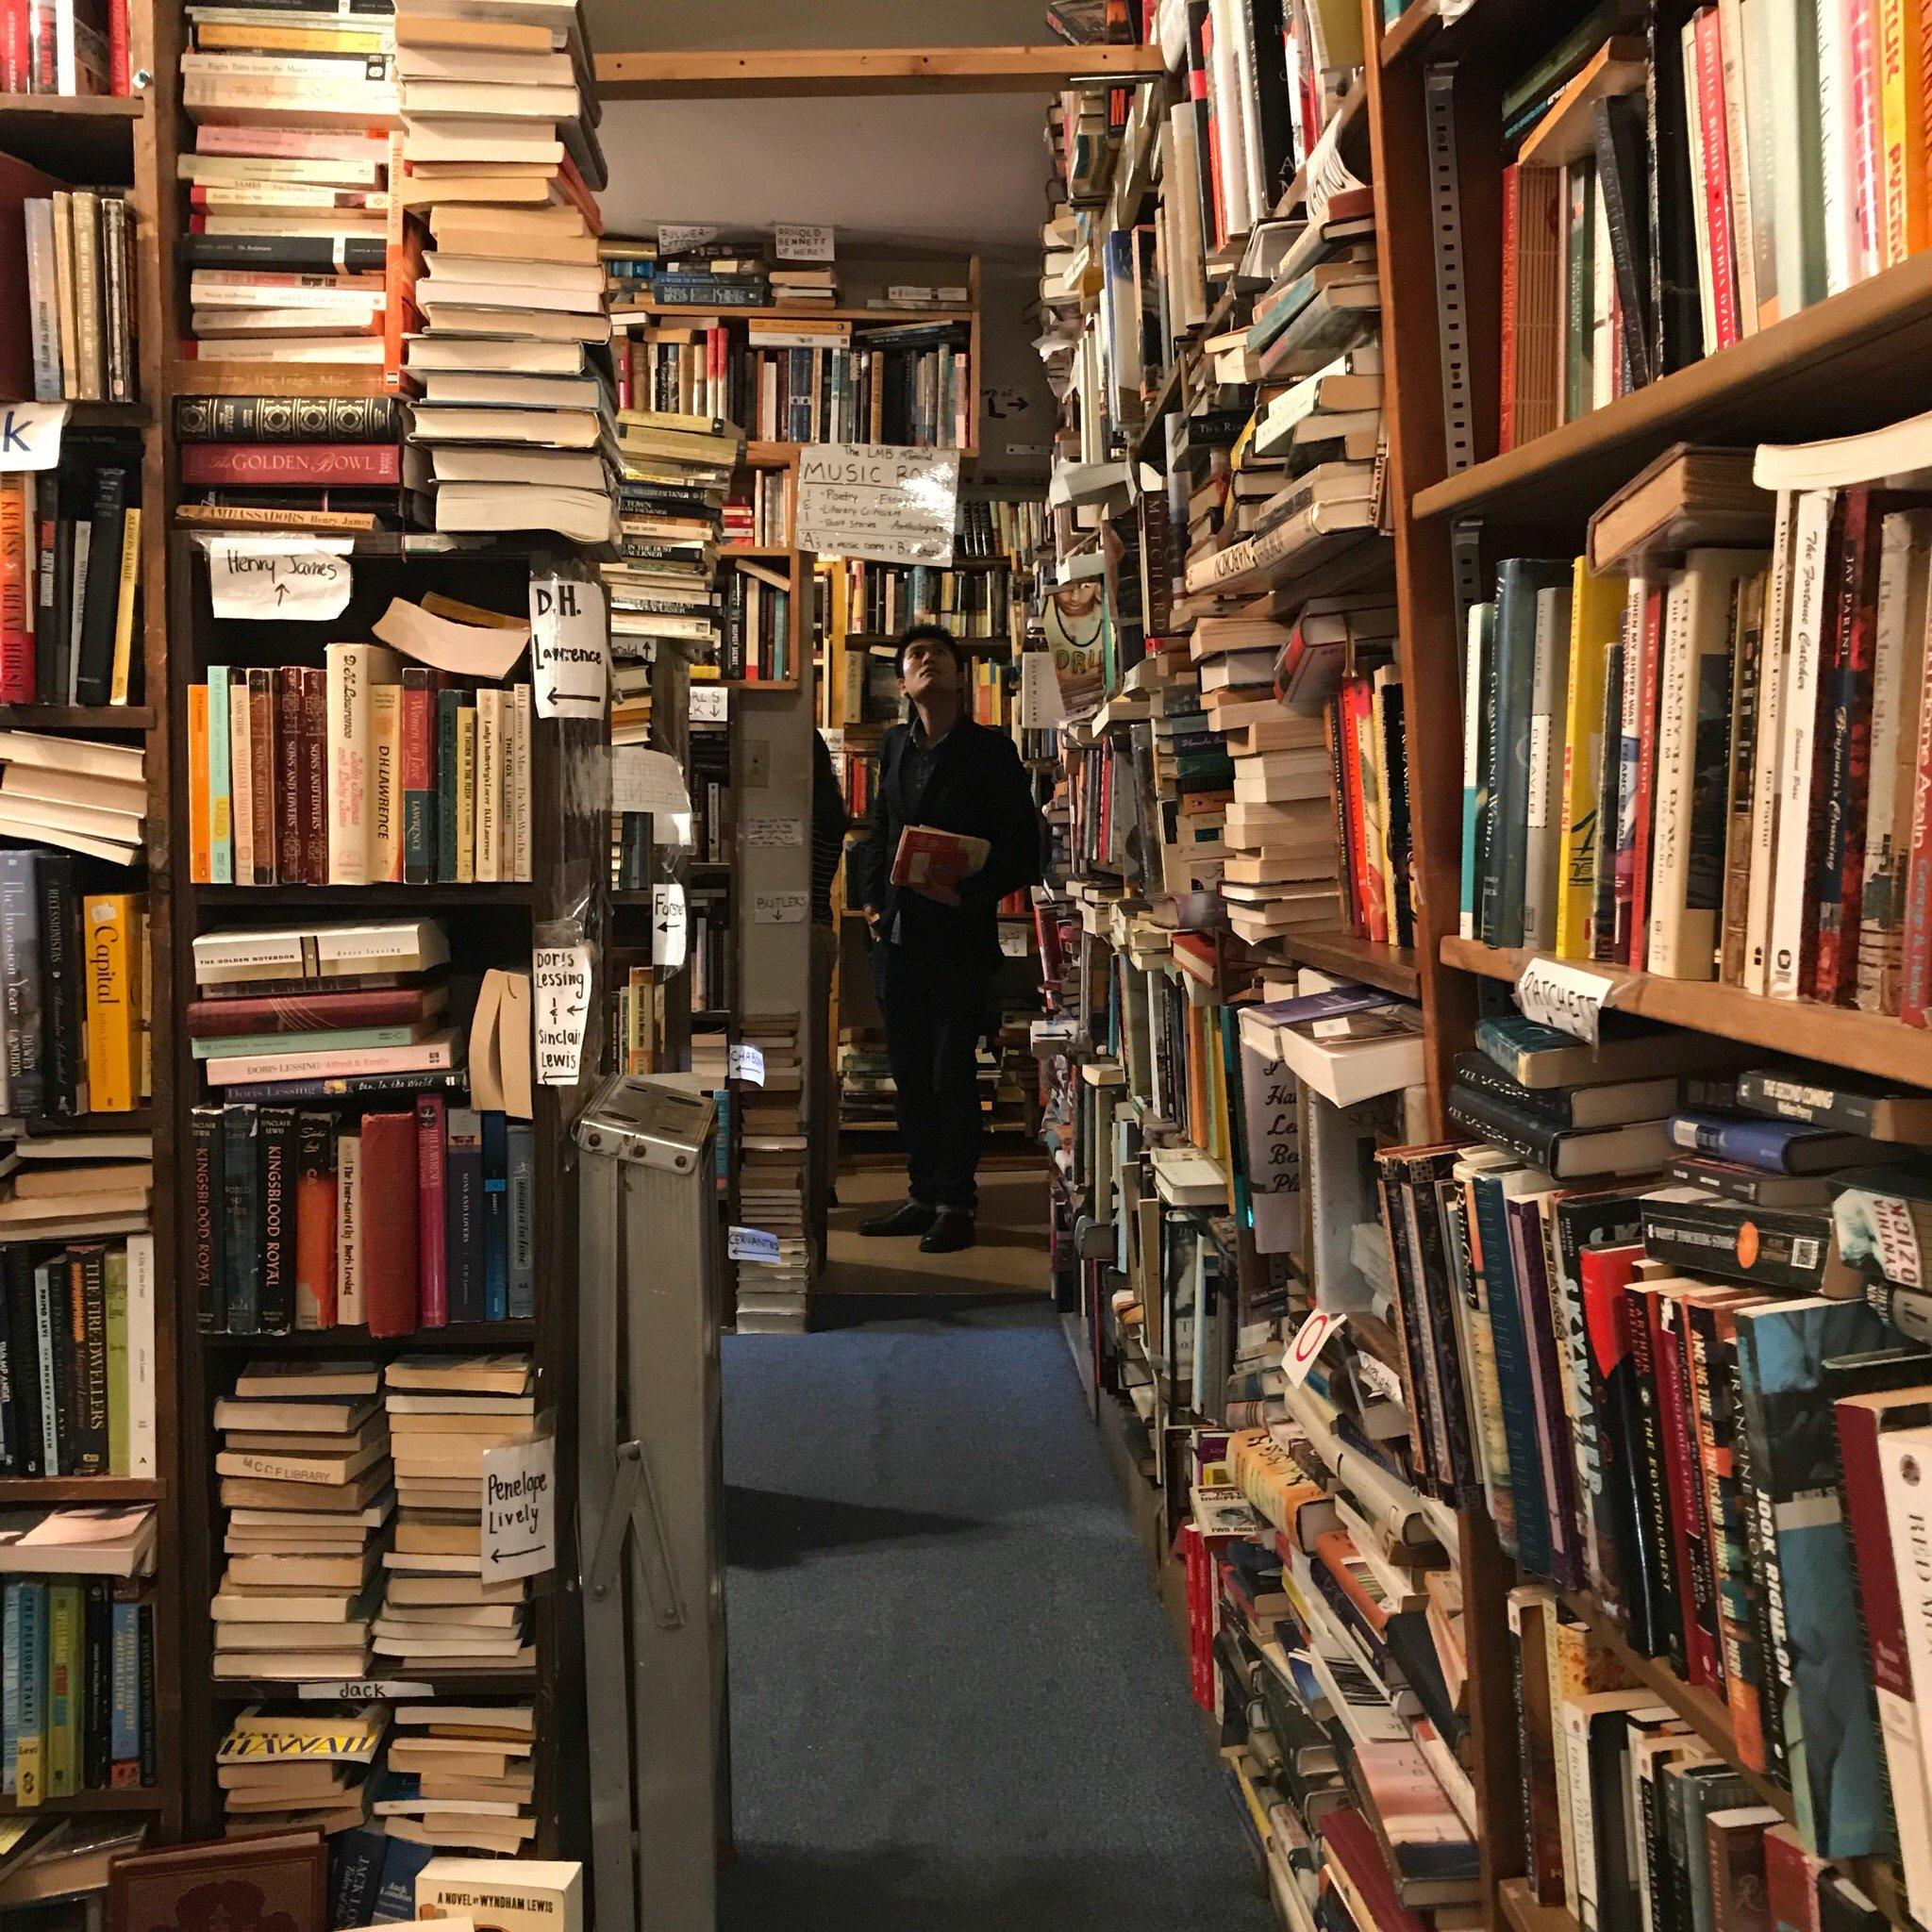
(767, 1529)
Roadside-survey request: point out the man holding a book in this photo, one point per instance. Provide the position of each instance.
(954, 830)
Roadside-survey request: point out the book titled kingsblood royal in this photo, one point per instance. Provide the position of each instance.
(207, 465)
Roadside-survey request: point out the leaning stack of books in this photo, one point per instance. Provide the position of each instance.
(499, 116)
(283, 1770)
(768, 1094)
(438, 1613)
(306, 1482)
(460, 1776)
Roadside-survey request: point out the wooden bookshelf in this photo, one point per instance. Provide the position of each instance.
(793, 72)
(1521, 1913)
(1392, 968)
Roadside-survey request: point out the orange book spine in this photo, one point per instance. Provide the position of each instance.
(315, 1245)
(200, 842)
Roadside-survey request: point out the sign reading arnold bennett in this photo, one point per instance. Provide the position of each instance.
(879, 501)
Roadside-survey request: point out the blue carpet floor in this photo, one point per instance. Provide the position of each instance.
(955, 1705)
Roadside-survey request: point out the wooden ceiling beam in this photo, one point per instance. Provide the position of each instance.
(793, 72)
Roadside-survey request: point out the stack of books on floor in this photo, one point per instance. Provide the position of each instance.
(771, 1172)
(307, 1481)
(293, 1770)
(866, 1088)
(77, 1337)
(460, 1776)
(54, 1866)
(514, 429)
(438, 1614)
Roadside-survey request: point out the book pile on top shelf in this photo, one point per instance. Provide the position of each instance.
(77, 299)
(1690, 1277)
(1746, 638)
(1673, 187)
(78, 1706)
(512, 431)
(771, 1172)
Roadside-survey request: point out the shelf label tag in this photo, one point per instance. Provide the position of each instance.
(518, 1509)
(753, 1244)
(1298, 1359)
(562, 978)
(570, 648)
(30, 435)
(779, 909)
(1570, 998)
(669, 929)
(710, 704)
(303, 579)
(362, 1691)
(646, 780)
(804, 242)
(748, 1063)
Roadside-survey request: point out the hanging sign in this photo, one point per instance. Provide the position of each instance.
(304, 579)
(1309, 1341)
(646, 780)
(518, 1509)
(561, 977)
(753, 1244)
(877, 500)
(1016, 941)
(710, 704)
(748, 1064)
(570, 648)
(802, 241)
(30, 435)
(670, 927)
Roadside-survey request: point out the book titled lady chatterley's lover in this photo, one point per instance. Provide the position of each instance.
(930, 860)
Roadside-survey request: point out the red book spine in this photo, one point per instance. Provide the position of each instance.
(430, 1231)
(288, 798)
(1845, 763)
(298, 1013)
(1368, 884)
(1512, 241)
(1688, 1529)
(1868, 161)
(1649, 664)
(209, 465)
(16, 57)
(312, 766)
(1915, 973)
(390, 1245)
(1716, 180)
(120, 74)
(18, 592)
(1871, 1533)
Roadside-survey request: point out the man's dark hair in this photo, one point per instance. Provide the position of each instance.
(931, 634)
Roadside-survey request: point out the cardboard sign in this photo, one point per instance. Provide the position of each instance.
(518, 1509)
(753, 1244)
(561, 977)
(1042, 707)
(877, 500)
(1570, 998)
(748, 1064)
(646, 780)
(1298, 1359)
(710, 704)
(570, 648)
(306, 579)
(670, 927)
(779, 908)
(30, 435)
(774, 832)
(802, 241)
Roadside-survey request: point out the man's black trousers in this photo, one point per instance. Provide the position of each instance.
(934, 1011)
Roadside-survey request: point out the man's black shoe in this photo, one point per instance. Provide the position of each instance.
(909, 1217)
(951, 1231)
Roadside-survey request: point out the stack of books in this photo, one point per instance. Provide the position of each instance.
(629, 263)
(306, 1482)
(438, 1613)
(271, 462)
(461, 1776)
(86, 796)
(513, 428)
(80, 293)
(761, 520)
(771, 1172)
(717, 272)
(283, 1770)
(366, 770)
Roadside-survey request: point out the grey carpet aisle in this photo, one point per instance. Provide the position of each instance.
(957, 1707)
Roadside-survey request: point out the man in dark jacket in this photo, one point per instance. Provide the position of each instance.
(934, 955)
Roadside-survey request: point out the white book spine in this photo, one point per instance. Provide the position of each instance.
(1835, 141)
(1573, 1740)
(350, 826)
(143, 1459)
(1603, 302)
(1550, 685)
(1768, 774)
(1250, 103)
(526, 822)
(1810, 604)
(42, 300)
(1226, 85)
(1473, 673)
(349, 1230)
(1905, 1457)
(1700, 207)
(385, 782)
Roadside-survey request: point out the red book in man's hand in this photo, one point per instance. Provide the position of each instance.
(934, 862)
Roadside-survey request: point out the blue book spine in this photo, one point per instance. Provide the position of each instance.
(1762, 1144)
(395, 1896)
(496, 1220)
(220, 777)
(522, 1220)
(10, 1690)
(124, 1728)
(1513, 1377)
(30, 1734)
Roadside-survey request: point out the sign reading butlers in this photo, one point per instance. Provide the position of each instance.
(876, 501)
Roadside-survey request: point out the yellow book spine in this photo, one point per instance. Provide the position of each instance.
(466, 796)
(1596, 612)
(1902, 124)
(121, 676)
(200, 866)
(386, 796)
(209, 39)
(112, 1024)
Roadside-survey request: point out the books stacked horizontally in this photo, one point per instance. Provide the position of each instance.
(78, 1701)
(445, 1412)
(271, 462)
(283, 1770)
(512, 431)
(629, 263)
(768, 1092)
(70, 579)
(78, 1324)
(461, 1776)
(85, 794)
(306, 1482)
(712, 272)
(80, 289)
(367, 771)
(762, 519)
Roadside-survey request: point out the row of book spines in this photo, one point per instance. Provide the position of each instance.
(76, 1704)
(1368, 782)
(281, 791)
(67, 590)
(75, 1036)
(80, 300)
(30, 61)
(77, 1361)
(404, 1221)
(757, 631)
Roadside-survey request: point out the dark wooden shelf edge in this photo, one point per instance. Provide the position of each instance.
(1392, 968)
(77, 717)
(1522, 1912)
(518, 1329)
(80, 1488)
(116, 1798)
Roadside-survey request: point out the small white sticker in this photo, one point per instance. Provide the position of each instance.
(748, 1064)
(1378, 1375)
(673, 828)
(646, 780)
(560, 977)
(670, 927)
(302, 579)
(1042, 706)
(771, 832)
(518, 1509)
(801, 241)
(753, 1244)
(1298, 1359)
(1568, 998)
(710, 704)
(779, 909)
(570, 648)
(30, 434)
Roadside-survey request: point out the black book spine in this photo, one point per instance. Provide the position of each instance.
(62, 1332)
(207, 1213)
(1617, 127)
(17, 1270)
(88, 1263)
(97, 1676)
(277, 1143)
(93, 673)
(1675, 312)
(285, 419)
(320, 253)
(146, 1616)
(241, 1234)
(60, 1010)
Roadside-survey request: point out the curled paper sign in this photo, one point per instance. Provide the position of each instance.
(748, 1064)
(1566, 997)
(570, 648)
(518, 1509)
(670, 925)
(304, 578)
(30, 435)
(561, 979)
(753, 1244)
(646, 780)
(444, 642)
(669, 829)
(1015, 941)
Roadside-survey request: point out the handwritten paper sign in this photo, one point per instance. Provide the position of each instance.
(673, 828)
(772, 832)
(570, 648)
(673, 239)
(1042, 707)
(1275, 1148)
(710, 704)
(1309, 1341)
(670, 927)
(304, 579)
(1568, 998)
(560, 978)
(646, 780)
(753, 1244)
(804, 242)
(362, 1691)
(748, 1064)
(779, 909)
(1015, 941)
(518, 1509)
(872, 500)
(30, 435)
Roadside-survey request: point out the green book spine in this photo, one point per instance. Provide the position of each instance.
(117, 1362)
(449, 705)
(64, 1689)
(341, 1039)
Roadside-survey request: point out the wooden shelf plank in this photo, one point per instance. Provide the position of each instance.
(789, 73)
(295, 899)
(116, 1798)
(1793, 1028)
(1392, 968)
(1853, 361)
(516, 1333)
(29, 1489)
(77, 717)
(1522, 1912)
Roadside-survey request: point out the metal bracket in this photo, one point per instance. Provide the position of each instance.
(632, 1488)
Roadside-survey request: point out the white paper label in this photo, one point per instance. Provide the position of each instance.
(748, 1063)
(1298, 1359)
(753, 1244)
(570, 648)
(673, 239)
(779, 909)
(710, 704)
(670, 927)
(1268, 1104)
(834, 736)
(1016, 942)
(1378, 1375)
(1567, 997)
(1042, 707)
(877, 500)
(800, 241)
(673, 828)
(772, 832)
(646, 780)
(560, 977)
(362, 1691)
(304, 579)
(30, 435)
(518, 1509)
